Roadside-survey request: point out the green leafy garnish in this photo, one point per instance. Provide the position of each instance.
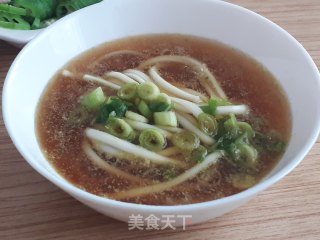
(115, 107)
(160, 107)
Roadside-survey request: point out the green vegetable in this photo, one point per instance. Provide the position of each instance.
(211, 107)
(231, 125)
(208, 124)
(163, 98)
(221, 101)
(169, 174)
(161, 104)
(115, 107)
(199, 154)
(186, 141)
(235, 140)
(160, 107)
(8, 20)
(236, 128)
(68, 6)
(269, 143)
(152, 139)
(78, 116)
(119, 128)
(47, 22)
(94, 99)
(242, 181)
(36, 24)
(249, 154)
(213, 103)
(244, 155)
(144, 109)
(128, 91)
(14, 10)
(165, 119)
(247, 129)
(148, 91)
(42, 9)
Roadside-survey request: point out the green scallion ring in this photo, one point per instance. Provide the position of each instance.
(152, 139)
(128, 91)
(119, 128)
(148, 91)
(186, 141)
(208, 124)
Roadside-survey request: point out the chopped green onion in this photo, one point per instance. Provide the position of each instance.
(199, 154)
(161, 104)
(114, 107)
(136, 117)
(248, 155)
(163, 98)
(148, 91)
(246, 128)
(160, 107)
(211, 107)
(144, 109)
(221, 101)
(270, 142)
(186, 141)
(213, 103)
(128, 91)
(94, 99)
(165, 119)
(242, 181)
(152, 139)
(119, 128)
(208, 124)
(231, 125)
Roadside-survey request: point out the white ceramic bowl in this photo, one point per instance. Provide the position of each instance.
(109, 20)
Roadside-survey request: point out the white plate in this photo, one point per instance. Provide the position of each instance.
(18, 38)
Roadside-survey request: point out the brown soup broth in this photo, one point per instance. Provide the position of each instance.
(243, 79)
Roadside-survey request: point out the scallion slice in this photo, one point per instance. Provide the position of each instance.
(152, 139)
(165, 119)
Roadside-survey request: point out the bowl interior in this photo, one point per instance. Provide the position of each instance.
(110, 20)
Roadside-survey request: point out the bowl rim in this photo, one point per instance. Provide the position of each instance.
(77, 192)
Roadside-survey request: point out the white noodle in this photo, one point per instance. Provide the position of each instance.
(203, 97)
(189, 126)
(169, 151)
(120, 76)
(136, 117)
(99, 162)
(141, 126)
(187, 106)
(201, 68)
(235, 109)
(134, 77)
(101, 81)
(160, 187)
(162, 83)
(139, 73)
(128, 147)
(190, 118)
(67, 73)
